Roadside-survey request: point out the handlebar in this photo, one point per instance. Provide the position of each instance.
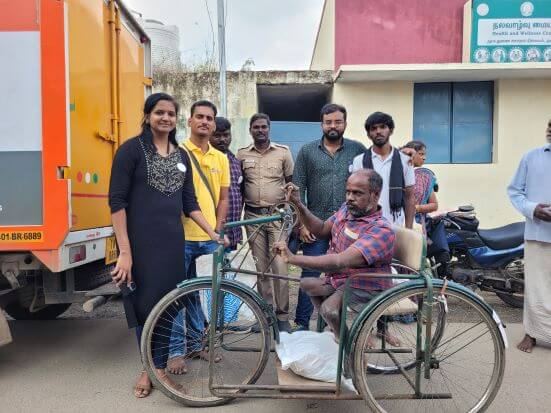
(449, 221)
(254, 221)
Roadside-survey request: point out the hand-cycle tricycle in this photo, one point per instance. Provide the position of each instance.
(450, 354)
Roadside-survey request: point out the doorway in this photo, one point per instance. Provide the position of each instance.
(294, 111)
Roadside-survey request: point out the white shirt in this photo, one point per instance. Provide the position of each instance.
(382, 167)
(530, 187)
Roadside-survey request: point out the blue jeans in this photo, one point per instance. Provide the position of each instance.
(194, 326)
(304, 304)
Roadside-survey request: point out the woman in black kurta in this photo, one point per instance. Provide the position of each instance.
(151, 185)
(154, 192)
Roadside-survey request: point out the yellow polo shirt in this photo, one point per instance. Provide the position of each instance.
(216, 168)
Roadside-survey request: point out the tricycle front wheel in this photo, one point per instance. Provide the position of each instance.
(179, 325)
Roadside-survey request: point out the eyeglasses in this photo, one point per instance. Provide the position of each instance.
(333, 122)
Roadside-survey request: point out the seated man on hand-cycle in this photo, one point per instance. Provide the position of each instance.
(362, 241)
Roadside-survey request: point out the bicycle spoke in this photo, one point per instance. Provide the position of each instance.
(465, 362)
(176, 327)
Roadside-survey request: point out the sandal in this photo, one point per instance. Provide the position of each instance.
(142, 390)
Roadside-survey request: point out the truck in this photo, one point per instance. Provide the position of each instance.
(74, 77)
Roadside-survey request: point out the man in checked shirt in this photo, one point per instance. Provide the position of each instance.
(361, 241)
(221, 140)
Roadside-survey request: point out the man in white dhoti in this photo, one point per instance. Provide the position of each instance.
(530, 193)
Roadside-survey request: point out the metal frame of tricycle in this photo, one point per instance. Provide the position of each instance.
(346, 336)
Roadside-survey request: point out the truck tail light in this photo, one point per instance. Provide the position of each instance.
(77, 253)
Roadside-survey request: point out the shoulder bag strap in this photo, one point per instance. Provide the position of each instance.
(201, 174)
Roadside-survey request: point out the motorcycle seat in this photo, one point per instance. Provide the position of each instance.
(509, 236)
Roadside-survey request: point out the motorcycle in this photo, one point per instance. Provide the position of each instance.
(490, 259)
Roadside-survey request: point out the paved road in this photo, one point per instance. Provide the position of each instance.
(89, 365)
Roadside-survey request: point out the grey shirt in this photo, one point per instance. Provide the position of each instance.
(322, 177)
(530, 186)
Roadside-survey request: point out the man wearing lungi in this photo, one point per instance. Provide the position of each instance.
(530, 193)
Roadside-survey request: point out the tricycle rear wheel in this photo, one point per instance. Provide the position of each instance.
(466, 364)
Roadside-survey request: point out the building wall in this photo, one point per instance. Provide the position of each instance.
(323, 56)
(242, 99)
(521, 112)
(361, 99)
(397, 31)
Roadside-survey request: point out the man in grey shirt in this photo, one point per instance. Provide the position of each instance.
(530, 193)
(321, 171)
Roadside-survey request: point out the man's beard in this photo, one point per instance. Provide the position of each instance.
(357, 212)
(333, 135)
(381, 144)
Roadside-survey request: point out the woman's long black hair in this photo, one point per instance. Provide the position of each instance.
(148, 106)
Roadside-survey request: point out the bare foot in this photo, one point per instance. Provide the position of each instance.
(527, 344)
(203, 355)
(371, 340)
(177, 365)
(143, 386)
(161, 374)
(390, 339)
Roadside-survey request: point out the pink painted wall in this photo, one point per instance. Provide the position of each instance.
(398, 31)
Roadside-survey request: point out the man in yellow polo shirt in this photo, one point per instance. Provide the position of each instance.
(211, 179)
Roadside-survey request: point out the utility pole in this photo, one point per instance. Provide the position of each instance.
(222, 58)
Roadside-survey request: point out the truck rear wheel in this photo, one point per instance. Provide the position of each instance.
(50, 312)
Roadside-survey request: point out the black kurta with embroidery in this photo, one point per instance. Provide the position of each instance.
(154, 190)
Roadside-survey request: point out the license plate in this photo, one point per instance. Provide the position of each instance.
(21, 236)
(111, 250)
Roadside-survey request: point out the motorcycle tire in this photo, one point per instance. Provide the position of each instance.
(512, 300)
(516, 301)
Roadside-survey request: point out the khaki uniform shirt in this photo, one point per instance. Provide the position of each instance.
(264, 174)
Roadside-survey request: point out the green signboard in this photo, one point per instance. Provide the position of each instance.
(512, 31)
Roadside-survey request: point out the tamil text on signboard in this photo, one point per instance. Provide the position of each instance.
(511, 31)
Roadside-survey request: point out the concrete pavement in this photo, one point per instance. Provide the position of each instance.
(90, 366)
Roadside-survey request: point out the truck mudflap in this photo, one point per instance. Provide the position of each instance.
(5, 334)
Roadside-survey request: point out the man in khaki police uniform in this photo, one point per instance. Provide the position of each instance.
(267, 167)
